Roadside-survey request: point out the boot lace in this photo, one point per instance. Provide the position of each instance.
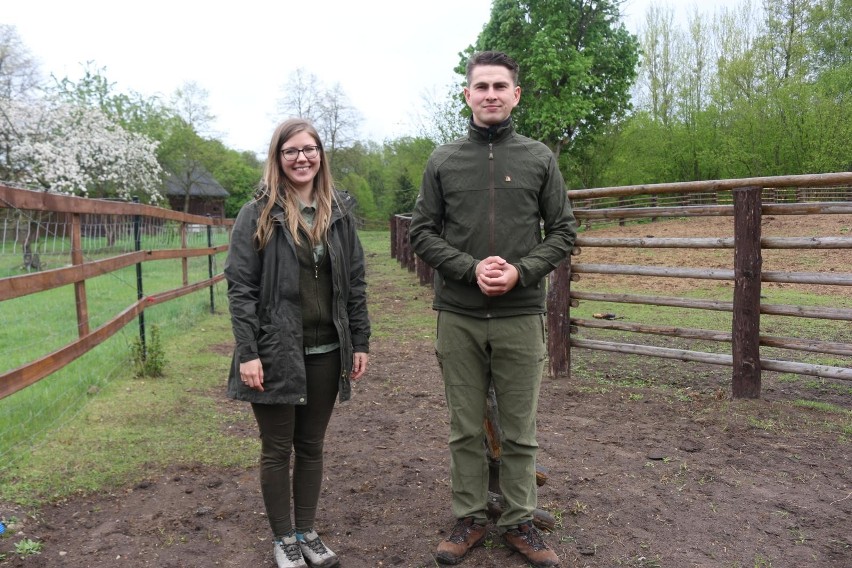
(317, 546)
(291, 551)
(532, 537)
(460, 531)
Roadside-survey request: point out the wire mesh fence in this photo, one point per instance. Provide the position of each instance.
(36, 325)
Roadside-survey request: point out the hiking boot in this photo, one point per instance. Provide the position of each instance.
(526, 540)
(316, 553)
(465, 536)
(288, 554)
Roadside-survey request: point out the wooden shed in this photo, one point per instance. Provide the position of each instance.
(206, 195)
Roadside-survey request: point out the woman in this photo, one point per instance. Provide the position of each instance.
(297, 294)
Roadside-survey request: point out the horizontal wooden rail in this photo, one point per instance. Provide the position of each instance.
(823, 371)
(671, 302)
(672, 331)
(22, 377)
(816, 208)
(161, 297)
(16, 286)
(834, 279)
(55, 202)
(792, 343)
(842, 314)
(25, 375)
(806, 180)
(841, 279)
(659, 271)
(715, 243)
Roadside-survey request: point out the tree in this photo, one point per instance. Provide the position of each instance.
(184, 150)
(238, 172)
(443, 119)
(19, 82)
(338, 120)
(658, 70)
(784, 46)
(829, 35)
(20, 77)
(404, 160)
(302, 94)
(190, 103)
(366, 161)
(329, 110)
(693, 86)
(577, 64)
(829, 53)
(78, 151)
(360, 189)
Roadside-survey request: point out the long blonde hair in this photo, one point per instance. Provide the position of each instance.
(276, 187)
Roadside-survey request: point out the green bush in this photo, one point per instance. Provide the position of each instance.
(148, 360)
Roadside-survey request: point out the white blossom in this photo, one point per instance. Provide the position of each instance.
(75, 150)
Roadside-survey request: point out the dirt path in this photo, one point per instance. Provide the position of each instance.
(650, 465)
(640, 476)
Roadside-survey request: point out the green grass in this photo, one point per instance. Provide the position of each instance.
(410, 315)
(93, 427)
(130, 427)
(34, 326)
(103, 428)
(824, 407)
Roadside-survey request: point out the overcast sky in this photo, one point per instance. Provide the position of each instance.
(385, 54)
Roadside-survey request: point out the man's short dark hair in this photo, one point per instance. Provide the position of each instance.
(493, 58)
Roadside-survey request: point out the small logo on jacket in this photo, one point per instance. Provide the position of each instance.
(508, 178)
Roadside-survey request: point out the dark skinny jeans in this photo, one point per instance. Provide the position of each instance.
(299, 429)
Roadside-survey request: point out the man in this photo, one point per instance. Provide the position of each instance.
(477, 221)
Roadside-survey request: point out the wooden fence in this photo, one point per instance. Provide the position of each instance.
(742, 199)
(81, 270)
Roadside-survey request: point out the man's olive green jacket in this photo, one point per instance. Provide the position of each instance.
(494, 192)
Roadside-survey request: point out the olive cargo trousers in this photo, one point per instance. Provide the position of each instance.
(473, 353)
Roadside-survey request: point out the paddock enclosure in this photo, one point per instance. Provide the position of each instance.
(732, 277)
(65, 241)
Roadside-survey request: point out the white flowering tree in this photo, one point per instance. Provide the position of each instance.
(76, 150)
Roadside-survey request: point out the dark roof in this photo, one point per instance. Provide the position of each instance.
(203, 185)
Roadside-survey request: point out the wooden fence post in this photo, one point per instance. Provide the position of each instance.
(394, 220)
(403, 249)
(79, 287)
(558, 319)
(748, 262)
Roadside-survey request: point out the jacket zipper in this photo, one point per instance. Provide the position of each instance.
(316, 296)
(491, 212)
(491, 193)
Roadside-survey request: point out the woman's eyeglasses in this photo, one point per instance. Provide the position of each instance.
(291, 154)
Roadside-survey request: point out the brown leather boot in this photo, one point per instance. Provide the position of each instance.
(465, 536)
(526, 540)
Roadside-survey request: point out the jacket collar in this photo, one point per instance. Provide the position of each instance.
(490, 134)
(339, 207)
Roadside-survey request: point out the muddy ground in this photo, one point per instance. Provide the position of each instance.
(649, 462)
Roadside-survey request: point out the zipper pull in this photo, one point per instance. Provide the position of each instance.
(490, 151)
